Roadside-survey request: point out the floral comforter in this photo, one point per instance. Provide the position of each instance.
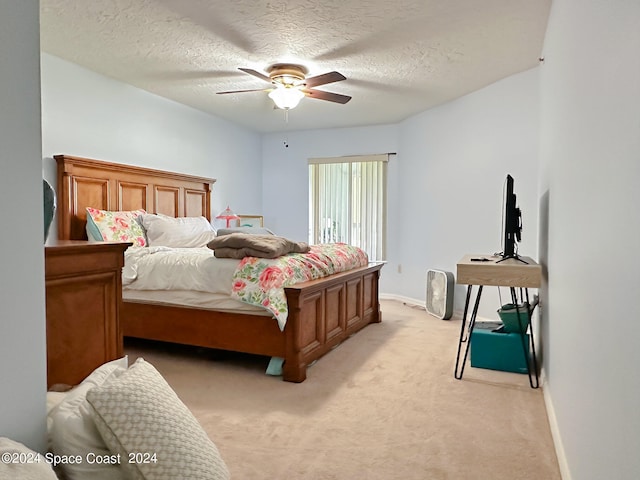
(261, 281)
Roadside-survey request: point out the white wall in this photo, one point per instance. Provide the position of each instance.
(89, 115)
(286, 174)
(445, 184)
(589, 196)
(22, 315)
(454, 161)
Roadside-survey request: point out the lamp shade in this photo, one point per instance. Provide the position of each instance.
(286, 97)
(228, 215)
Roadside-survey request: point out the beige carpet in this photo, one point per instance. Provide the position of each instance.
(383, 405)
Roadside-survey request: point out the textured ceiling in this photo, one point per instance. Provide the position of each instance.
(400, 57)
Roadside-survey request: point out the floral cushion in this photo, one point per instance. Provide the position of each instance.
(119, 226)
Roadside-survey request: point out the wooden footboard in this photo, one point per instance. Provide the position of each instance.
(322, 313)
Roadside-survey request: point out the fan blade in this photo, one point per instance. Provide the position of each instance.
(322, 95)
(242, 91)
(261, 76)
(324, 79)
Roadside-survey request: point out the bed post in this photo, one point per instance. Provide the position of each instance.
(294, 369)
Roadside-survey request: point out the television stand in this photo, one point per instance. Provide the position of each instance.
(491, 272)
(515, 256)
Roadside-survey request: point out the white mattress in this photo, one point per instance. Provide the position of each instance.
(193, 299)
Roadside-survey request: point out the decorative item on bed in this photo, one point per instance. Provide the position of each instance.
(296, 307)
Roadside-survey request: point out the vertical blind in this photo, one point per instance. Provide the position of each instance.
(347, 202)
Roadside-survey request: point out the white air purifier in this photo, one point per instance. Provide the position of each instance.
(440, 294)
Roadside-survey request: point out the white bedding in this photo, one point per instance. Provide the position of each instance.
(190, 298)
(156, 268)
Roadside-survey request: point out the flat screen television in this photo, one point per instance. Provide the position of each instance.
(512, 221)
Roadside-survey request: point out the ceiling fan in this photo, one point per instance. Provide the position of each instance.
(290, 85)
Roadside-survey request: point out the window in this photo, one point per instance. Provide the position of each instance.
(347, 202)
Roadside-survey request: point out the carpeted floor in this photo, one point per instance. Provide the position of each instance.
(382, 406)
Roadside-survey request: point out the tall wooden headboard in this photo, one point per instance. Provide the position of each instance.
(83, 182)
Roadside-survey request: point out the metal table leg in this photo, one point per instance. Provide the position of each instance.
(467, 330)
(459, 370)
(532, 364)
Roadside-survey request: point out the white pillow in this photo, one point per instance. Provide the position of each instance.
(21, 463)
(73, 431)
(141, 418)
(53, 400)
(164, 231)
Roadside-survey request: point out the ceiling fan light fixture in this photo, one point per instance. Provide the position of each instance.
(286, 97)
(289, 84)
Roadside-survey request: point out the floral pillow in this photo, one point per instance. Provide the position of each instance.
(119, 226)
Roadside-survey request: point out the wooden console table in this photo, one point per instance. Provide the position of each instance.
(519, 274)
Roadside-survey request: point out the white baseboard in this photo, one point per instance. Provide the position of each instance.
(400, 298)
(565, 473)
(457, 314)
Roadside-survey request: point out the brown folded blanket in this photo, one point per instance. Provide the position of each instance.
(240, 245)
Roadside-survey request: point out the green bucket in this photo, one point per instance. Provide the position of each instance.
(509, 316)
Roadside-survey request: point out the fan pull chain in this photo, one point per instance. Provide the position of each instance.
(286, 121)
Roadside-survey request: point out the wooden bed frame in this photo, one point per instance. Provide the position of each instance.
(322, 313)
